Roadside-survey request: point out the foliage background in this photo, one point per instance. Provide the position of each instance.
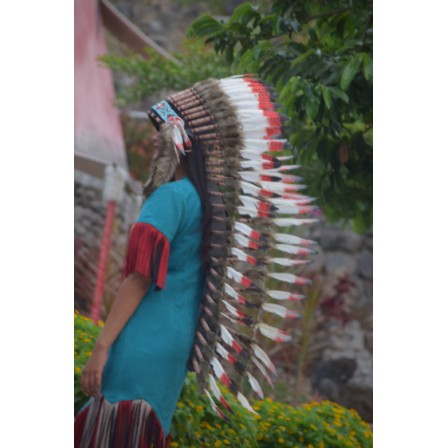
(195, 425)
(310, 57)
(318, 56)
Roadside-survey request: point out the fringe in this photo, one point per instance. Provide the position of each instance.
(148, 254)
(126, 424)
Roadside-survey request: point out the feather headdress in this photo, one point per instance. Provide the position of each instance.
(252, 196)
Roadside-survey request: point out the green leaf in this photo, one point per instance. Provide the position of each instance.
(327, 97)
(311, 107)
(367, 66)
(205, 25)
(339, 93)
(349, 72)
(302, 57)
(247, 62)
(276, 43)
(277, 22)
(245, 11)
(359, 223)
(261, 49)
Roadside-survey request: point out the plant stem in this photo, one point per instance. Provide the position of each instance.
(309, 312)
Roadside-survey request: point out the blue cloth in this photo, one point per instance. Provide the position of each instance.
(149, 358)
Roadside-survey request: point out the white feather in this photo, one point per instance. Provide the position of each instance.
(293, 209)
(221, 351)
(288, 261)
(214, 406)
(294, 250)
(249, 177)
(255, 385)
(256, 165)
(249, 188)
(254, 131)
(243, 400)
(225, 335)
(212, 402)
(251, 154)
(288, 167)
(230, 291)
(299, 197)
(243, 241)
(217, 367)
(248, 201)
(243, 228)
(284, 202)
(256, 122)
(273, 333)
(264, 358)
(214, 387)
(255, 177)
(284, 295)
(283, 276)
(287, 248)
(280, 310)
(263, 371)
(287, 222)
(262, 145)
(230, 308)
(286, 238)
(290, 278)
(238, 253)
(246, 211)
(234, 275)
(280, 187)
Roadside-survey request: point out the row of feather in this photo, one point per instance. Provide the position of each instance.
(249, 188)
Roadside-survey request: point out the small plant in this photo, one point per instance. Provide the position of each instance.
(318, 55)
(150, 76)
(196, 425)
(86, 333)
(318, 425)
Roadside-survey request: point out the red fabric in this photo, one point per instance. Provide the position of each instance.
(124, 421)
(80, 421)
(128, 413)
(148, 253)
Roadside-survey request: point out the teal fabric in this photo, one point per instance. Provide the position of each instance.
(149, 358)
